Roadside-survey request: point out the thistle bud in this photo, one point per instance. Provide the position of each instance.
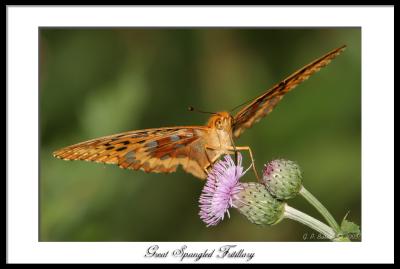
(282, 178)
(256, 203)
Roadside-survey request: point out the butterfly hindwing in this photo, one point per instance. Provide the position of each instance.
(265, 103)
(153, 150)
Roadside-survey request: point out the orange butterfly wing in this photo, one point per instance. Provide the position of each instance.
(265, 103)
(158, 150)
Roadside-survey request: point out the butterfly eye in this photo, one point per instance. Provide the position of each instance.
(218, 124)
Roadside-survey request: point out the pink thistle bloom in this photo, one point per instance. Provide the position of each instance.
(221, 187)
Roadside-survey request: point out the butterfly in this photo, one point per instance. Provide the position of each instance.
(194, 148)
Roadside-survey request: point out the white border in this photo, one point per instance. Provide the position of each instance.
(377, 128)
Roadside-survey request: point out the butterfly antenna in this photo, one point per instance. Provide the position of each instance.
(190, 108)
(242, 104)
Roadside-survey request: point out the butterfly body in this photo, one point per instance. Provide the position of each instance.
(220, 131)
(194, 148)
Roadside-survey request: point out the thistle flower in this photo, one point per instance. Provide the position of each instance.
(282, 178)
(222, 184)
(223, 191)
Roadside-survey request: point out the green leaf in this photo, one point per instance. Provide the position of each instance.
(350, 228)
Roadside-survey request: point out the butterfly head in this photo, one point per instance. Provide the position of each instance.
(221, 121)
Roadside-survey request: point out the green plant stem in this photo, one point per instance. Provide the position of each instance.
(321, 209)
(322, 228)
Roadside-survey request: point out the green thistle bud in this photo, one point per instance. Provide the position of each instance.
(256, 203)
(282, 178)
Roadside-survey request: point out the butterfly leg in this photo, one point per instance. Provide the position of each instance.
(251, 156)
(211, 161)
(231, 150)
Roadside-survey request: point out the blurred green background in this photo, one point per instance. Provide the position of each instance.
(96, 82)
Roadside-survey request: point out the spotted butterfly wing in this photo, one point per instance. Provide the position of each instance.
(159, 150)
(195, 148)
(265, 103)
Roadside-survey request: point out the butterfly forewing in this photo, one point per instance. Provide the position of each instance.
(153, 150)
(195, 148)
(265, 103)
